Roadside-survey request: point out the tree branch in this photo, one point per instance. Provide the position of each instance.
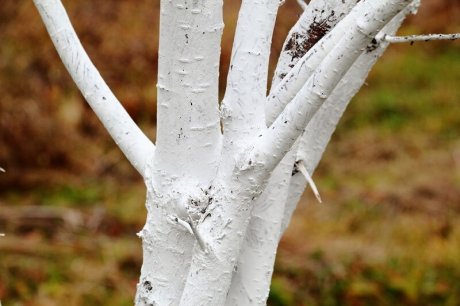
(256, 258)
(188, 123)
(252, 277)
(281, 135)
(318, 18)
(319, 131)
(413, 38)
(286, 193)
(243, 105)
(135, 145)
(300, 165)
(226, 226)
(302, 4)
(304, 67)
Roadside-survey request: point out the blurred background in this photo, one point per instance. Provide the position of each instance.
(70, 204)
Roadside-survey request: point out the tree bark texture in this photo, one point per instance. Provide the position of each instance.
(223, 180)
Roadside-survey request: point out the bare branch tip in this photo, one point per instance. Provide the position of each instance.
(301, 166)
(182, 223)
(2, 170)
(197, 235)
(413, 38)
(302, 4)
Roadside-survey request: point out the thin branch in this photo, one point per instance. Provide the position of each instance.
(199, 238)
(242, 109)
(301, 166)
(2, 170)
(302, 4)
(182, 223)
(189, 225)
(135, 145)
(243, 104)
(413, 38)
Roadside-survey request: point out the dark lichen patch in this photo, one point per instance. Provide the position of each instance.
(295, 169)
(147, 286)
(180, 134)
(299, 43)
(194, 202)
(372, 46)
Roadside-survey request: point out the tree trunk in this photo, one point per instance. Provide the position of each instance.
(218, 201)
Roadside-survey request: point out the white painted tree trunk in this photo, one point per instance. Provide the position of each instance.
(218, 201)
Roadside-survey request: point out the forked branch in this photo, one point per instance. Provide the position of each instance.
(320, 129)
(243, 104)
(281, 135)
(227, 224)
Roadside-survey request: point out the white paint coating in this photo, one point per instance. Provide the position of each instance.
(135, 145)
(217, 206)
(319, 131)
(251, 280)
(414, 38)
(252, 277)
(318, 18)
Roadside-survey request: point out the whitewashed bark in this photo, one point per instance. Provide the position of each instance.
(242, 108)
(318, 18)
(188, 142)
(217, 204)
(252, 279)
(135, 145)
(413, 38)
(292, 82)
(234, 189)
(188, 124)
(280, 136)
(253, 272)
(225, 228)
(318, 132)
